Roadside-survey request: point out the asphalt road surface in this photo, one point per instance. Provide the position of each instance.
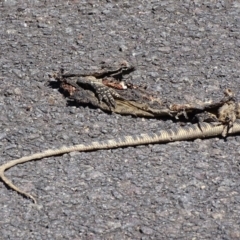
(185, 51)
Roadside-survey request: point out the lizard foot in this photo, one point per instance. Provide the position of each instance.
(103, 93)
(227, 115)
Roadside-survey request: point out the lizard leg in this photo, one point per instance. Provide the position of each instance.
(228, 112)
(181, 113)
(206, 117)
(227, 115)
(103, 93)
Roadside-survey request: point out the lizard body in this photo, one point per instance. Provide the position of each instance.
(194, 131)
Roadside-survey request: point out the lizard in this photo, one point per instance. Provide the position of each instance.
(198, 130)
(98, 88)
(223, 122)
(205, 111)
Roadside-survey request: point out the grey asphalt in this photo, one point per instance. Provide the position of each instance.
(186, 51)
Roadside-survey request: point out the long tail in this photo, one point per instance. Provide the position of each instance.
(204, 130)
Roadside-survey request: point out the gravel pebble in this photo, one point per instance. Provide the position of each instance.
(186, 51)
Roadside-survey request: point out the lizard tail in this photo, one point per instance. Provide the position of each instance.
(201, 130)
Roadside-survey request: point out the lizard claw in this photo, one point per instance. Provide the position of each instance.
(105, 94)
(181, 113)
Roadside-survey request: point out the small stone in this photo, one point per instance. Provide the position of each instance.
(18, 73)
(146, 230)
(164, 49)
(17, 91)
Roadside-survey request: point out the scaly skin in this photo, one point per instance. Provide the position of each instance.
(201, 130)
(94, 81)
